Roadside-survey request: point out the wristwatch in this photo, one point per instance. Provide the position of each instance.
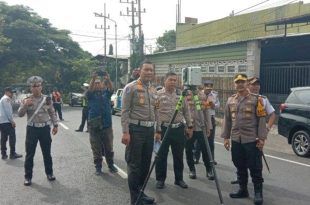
(55, 125)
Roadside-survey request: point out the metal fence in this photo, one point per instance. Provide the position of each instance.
(278, 78)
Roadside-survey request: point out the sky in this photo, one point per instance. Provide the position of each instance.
(78, 17)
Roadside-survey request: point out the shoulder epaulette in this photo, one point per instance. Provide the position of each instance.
(257, 95)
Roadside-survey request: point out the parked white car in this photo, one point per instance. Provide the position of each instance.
(116, 101)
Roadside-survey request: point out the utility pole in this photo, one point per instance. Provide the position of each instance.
(141, 36)
(104, 27)
(115, 23)
(136, 45)
(131, 13)
(178, 12)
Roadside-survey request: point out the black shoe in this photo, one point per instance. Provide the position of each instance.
(192, 174)
(51, 177)
(196, 161)
(210, 174)
(15, 156)
(4, 156)
(86, 131)
(160, 184)
(113, 169)
(98, 171)
(241, 193)
(181, 183)
(258, 194)
(147, 199)
(78, 130)
(27, 182)
(235, 181)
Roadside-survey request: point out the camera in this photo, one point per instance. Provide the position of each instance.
(101, 73)
(191, 76)
(48, 100)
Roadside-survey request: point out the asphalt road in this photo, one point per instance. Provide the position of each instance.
(288, 182)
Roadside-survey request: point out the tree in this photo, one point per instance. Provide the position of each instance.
(29, 45)
(166, 42)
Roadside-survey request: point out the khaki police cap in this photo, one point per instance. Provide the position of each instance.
(240, 77)
(253, 80)
(208, 84)
(34, 80)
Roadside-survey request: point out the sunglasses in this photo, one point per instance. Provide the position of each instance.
(35, 86)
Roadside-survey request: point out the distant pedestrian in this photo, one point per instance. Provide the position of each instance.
(7, 125)
(40, 116)
(57, 102)
(84, 110)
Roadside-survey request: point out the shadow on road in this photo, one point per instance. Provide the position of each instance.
(59, 193)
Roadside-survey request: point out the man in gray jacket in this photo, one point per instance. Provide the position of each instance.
(7, 125)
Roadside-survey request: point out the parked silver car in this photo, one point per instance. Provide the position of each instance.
(75, 99)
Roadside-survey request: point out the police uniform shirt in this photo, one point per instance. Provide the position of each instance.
(213, 97)
(268, 107)
(196, 121)
(241, 123)
(6, 111)
(138, 103)
(167, 105)
(45, 114)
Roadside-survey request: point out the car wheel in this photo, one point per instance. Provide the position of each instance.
(301, 143)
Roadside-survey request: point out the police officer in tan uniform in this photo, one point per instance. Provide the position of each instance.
(40, 117)
(198, 136)
(138, 120)
(245, 124)
(168, 100)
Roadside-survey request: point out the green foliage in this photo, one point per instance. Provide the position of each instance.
(166, 42)
(29, 45)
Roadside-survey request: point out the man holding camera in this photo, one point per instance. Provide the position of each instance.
(40, 116)
(100, 120)
(138, 119)
(7, 125)
(168, 100)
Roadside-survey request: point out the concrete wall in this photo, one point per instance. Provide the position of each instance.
(241, 27)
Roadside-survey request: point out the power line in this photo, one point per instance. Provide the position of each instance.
(251, 7)
(75, 34)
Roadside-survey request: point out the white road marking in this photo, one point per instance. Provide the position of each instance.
(63, 125)
(120, 172)
(278, 158)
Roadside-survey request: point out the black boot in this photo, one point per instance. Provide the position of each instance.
(258, 194)
(98, 169)
(110, 162)
(241, 193)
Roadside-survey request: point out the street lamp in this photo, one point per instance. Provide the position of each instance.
(116, 66)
